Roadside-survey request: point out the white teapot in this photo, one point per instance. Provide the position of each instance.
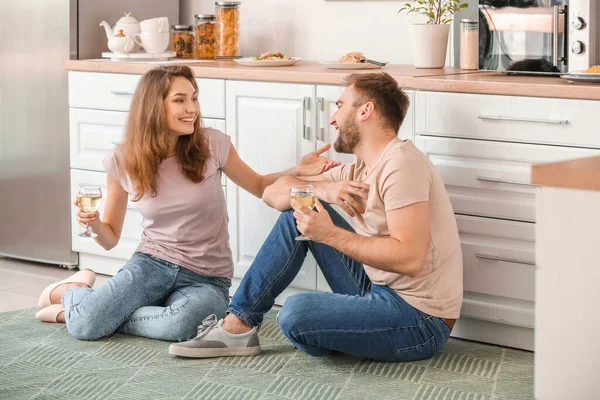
(128, 24)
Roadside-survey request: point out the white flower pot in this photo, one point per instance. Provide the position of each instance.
(429, 43)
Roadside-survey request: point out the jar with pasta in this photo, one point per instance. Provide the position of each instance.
(183, 41)
(228, 29)
(205, 36)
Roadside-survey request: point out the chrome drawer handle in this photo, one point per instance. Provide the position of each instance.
(131, 207)
(121, 92)
(541, 121)
(115, 142)
(320, 108)
(305, 128)
(496, 258)
(498, 180)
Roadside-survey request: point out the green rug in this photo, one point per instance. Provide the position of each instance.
(42, 361)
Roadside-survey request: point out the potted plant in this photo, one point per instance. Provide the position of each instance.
(430, 40)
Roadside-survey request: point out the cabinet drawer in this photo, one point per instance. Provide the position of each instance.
(132, 230)
(509, 118)
(499, 270)
(114, 91)
(498, 257)
(94, 134)
(489, 178)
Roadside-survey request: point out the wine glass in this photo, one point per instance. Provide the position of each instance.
(88, 200)
(305, 195)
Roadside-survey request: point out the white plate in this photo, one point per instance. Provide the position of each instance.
(337, 65)
(251, 62)
(139, 56)
(582, 77)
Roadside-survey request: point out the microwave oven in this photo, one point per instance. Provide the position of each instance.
(539, 36)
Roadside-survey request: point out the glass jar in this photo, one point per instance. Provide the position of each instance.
(183, 41)
(227, 34)
(205, 36)
(469, 43)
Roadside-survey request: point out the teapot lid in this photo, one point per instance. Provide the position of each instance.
(127, 19)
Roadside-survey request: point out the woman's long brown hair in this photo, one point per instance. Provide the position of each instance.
(146, 141)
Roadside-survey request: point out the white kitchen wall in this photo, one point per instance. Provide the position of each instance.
(318, 29)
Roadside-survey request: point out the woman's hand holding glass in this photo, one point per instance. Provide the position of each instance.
(314, 164)
(88, 201)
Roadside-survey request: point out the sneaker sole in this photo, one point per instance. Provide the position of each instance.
(208, 353)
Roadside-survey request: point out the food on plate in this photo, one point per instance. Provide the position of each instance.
(594, 69)
(271, 56)
(227, 32)
(353, 57)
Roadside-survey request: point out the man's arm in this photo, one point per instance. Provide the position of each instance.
(345, 194)
(404, 252)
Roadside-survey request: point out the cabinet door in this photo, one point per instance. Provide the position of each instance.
(266, 122)
(93, 135)
(132, 230)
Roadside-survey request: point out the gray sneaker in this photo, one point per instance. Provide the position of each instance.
(214, 341)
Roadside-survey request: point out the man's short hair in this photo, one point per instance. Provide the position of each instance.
(383, 91)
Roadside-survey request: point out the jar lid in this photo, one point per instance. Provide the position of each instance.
(469, 20)
(227, 4)
(183, 27)
(206, 17)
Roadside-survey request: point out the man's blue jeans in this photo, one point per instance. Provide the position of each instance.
(359, 318)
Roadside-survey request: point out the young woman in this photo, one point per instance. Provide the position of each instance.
(171, 167)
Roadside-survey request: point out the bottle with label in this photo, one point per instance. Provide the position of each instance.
(469, 43)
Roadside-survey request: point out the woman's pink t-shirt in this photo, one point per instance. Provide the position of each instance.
(186, 223)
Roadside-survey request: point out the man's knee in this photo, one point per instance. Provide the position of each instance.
(293, 315)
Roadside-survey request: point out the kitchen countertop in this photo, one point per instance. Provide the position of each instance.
(449, 79)
(580, 173)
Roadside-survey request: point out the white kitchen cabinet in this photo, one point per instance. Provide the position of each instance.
(271, 126)
(490, 178)
(95, 133)
(101, 91)
(509, 118)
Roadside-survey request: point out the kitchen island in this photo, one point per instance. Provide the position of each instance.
(567, 279)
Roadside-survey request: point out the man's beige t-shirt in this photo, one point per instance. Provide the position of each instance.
(404, 176)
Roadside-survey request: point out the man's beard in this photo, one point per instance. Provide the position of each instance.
(348, 136)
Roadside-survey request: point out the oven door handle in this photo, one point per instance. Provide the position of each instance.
(557, 11)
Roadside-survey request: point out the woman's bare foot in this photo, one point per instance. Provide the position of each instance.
(61, 317)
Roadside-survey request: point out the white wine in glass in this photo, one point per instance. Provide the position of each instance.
(88, 201)
(304, 195)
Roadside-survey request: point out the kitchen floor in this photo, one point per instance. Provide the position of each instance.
(21, 282)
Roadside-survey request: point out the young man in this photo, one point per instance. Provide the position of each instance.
(396, 274)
